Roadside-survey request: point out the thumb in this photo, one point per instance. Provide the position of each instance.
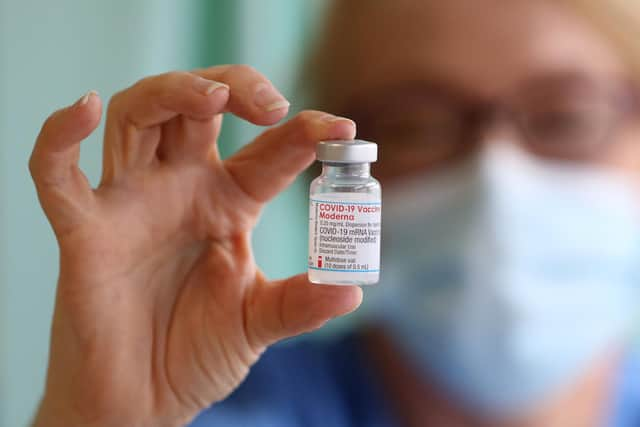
(54, 161)
(284, 308)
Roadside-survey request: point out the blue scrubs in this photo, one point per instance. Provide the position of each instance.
(320, 384)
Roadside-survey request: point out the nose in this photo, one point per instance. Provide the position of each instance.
(497, 127)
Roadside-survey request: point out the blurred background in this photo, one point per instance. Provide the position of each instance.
(53, 52)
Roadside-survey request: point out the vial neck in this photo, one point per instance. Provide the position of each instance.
(346, 170)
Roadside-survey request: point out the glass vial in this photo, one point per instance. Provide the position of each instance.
(345, 210)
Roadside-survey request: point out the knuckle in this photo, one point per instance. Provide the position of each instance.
(242, 69)
(215, 69)
(48, 128)
(162, 86)
(309, 115)
(36, 167)
(172, 78)
(145, 85)
(32, 165)
(115, 102)
(49, 124)
(161, 79)
(141, 83)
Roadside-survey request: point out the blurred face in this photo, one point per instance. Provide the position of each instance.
(487, 278)
(433, 81)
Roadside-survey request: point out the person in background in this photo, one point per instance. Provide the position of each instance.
(509, 154)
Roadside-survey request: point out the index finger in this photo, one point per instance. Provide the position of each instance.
(251, 95)
(201, 94)
(198, 95)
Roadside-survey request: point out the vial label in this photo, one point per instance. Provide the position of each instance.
(344, 238)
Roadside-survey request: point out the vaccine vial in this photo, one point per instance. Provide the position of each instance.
(345, 208)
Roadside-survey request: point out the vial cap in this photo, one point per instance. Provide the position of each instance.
(347, 151)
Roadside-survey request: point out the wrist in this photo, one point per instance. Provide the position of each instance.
(53, 413)
(56, 413)
(48, 415)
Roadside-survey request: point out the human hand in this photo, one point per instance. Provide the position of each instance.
(160, 307)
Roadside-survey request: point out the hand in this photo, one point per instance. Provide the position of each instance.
(160, 308)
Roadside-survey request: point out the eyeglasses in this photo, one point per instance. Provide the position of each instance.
(570, 118)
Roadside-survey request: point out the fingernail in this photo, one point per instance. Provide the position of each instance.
(85, 97)
(267, 98)
(207, 87)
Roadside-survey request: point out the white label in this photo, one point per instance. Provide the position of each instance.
(344, 236)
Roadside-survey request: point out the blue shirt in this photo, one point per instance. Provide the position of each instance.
(320, 384)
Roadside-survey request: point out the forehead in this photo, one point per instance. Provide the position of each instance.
(483, 46)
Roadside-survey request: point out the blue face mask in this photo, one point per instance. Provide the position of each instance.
(505, 278)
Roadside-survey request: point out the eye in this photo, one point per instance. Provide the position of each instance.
(568, 116)
(569, 125)
(571, 132)
(562, 123)
(428, 124)
(425, 143)
(415, 129)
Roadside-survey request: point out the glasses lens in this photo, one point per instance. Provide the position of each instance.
(419, 135)
(571, 131)
(571, 120)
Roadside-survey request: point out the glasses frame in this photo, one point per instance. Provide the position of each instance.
(622, 95)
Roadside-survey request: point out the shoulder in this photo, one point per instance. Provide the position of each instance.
(626, 404)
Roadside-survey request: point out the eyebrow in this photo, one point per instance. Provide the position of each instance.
(407, 92)
(416, 91)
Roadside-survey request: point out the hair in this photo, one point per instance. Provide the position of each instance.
(617, 20)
